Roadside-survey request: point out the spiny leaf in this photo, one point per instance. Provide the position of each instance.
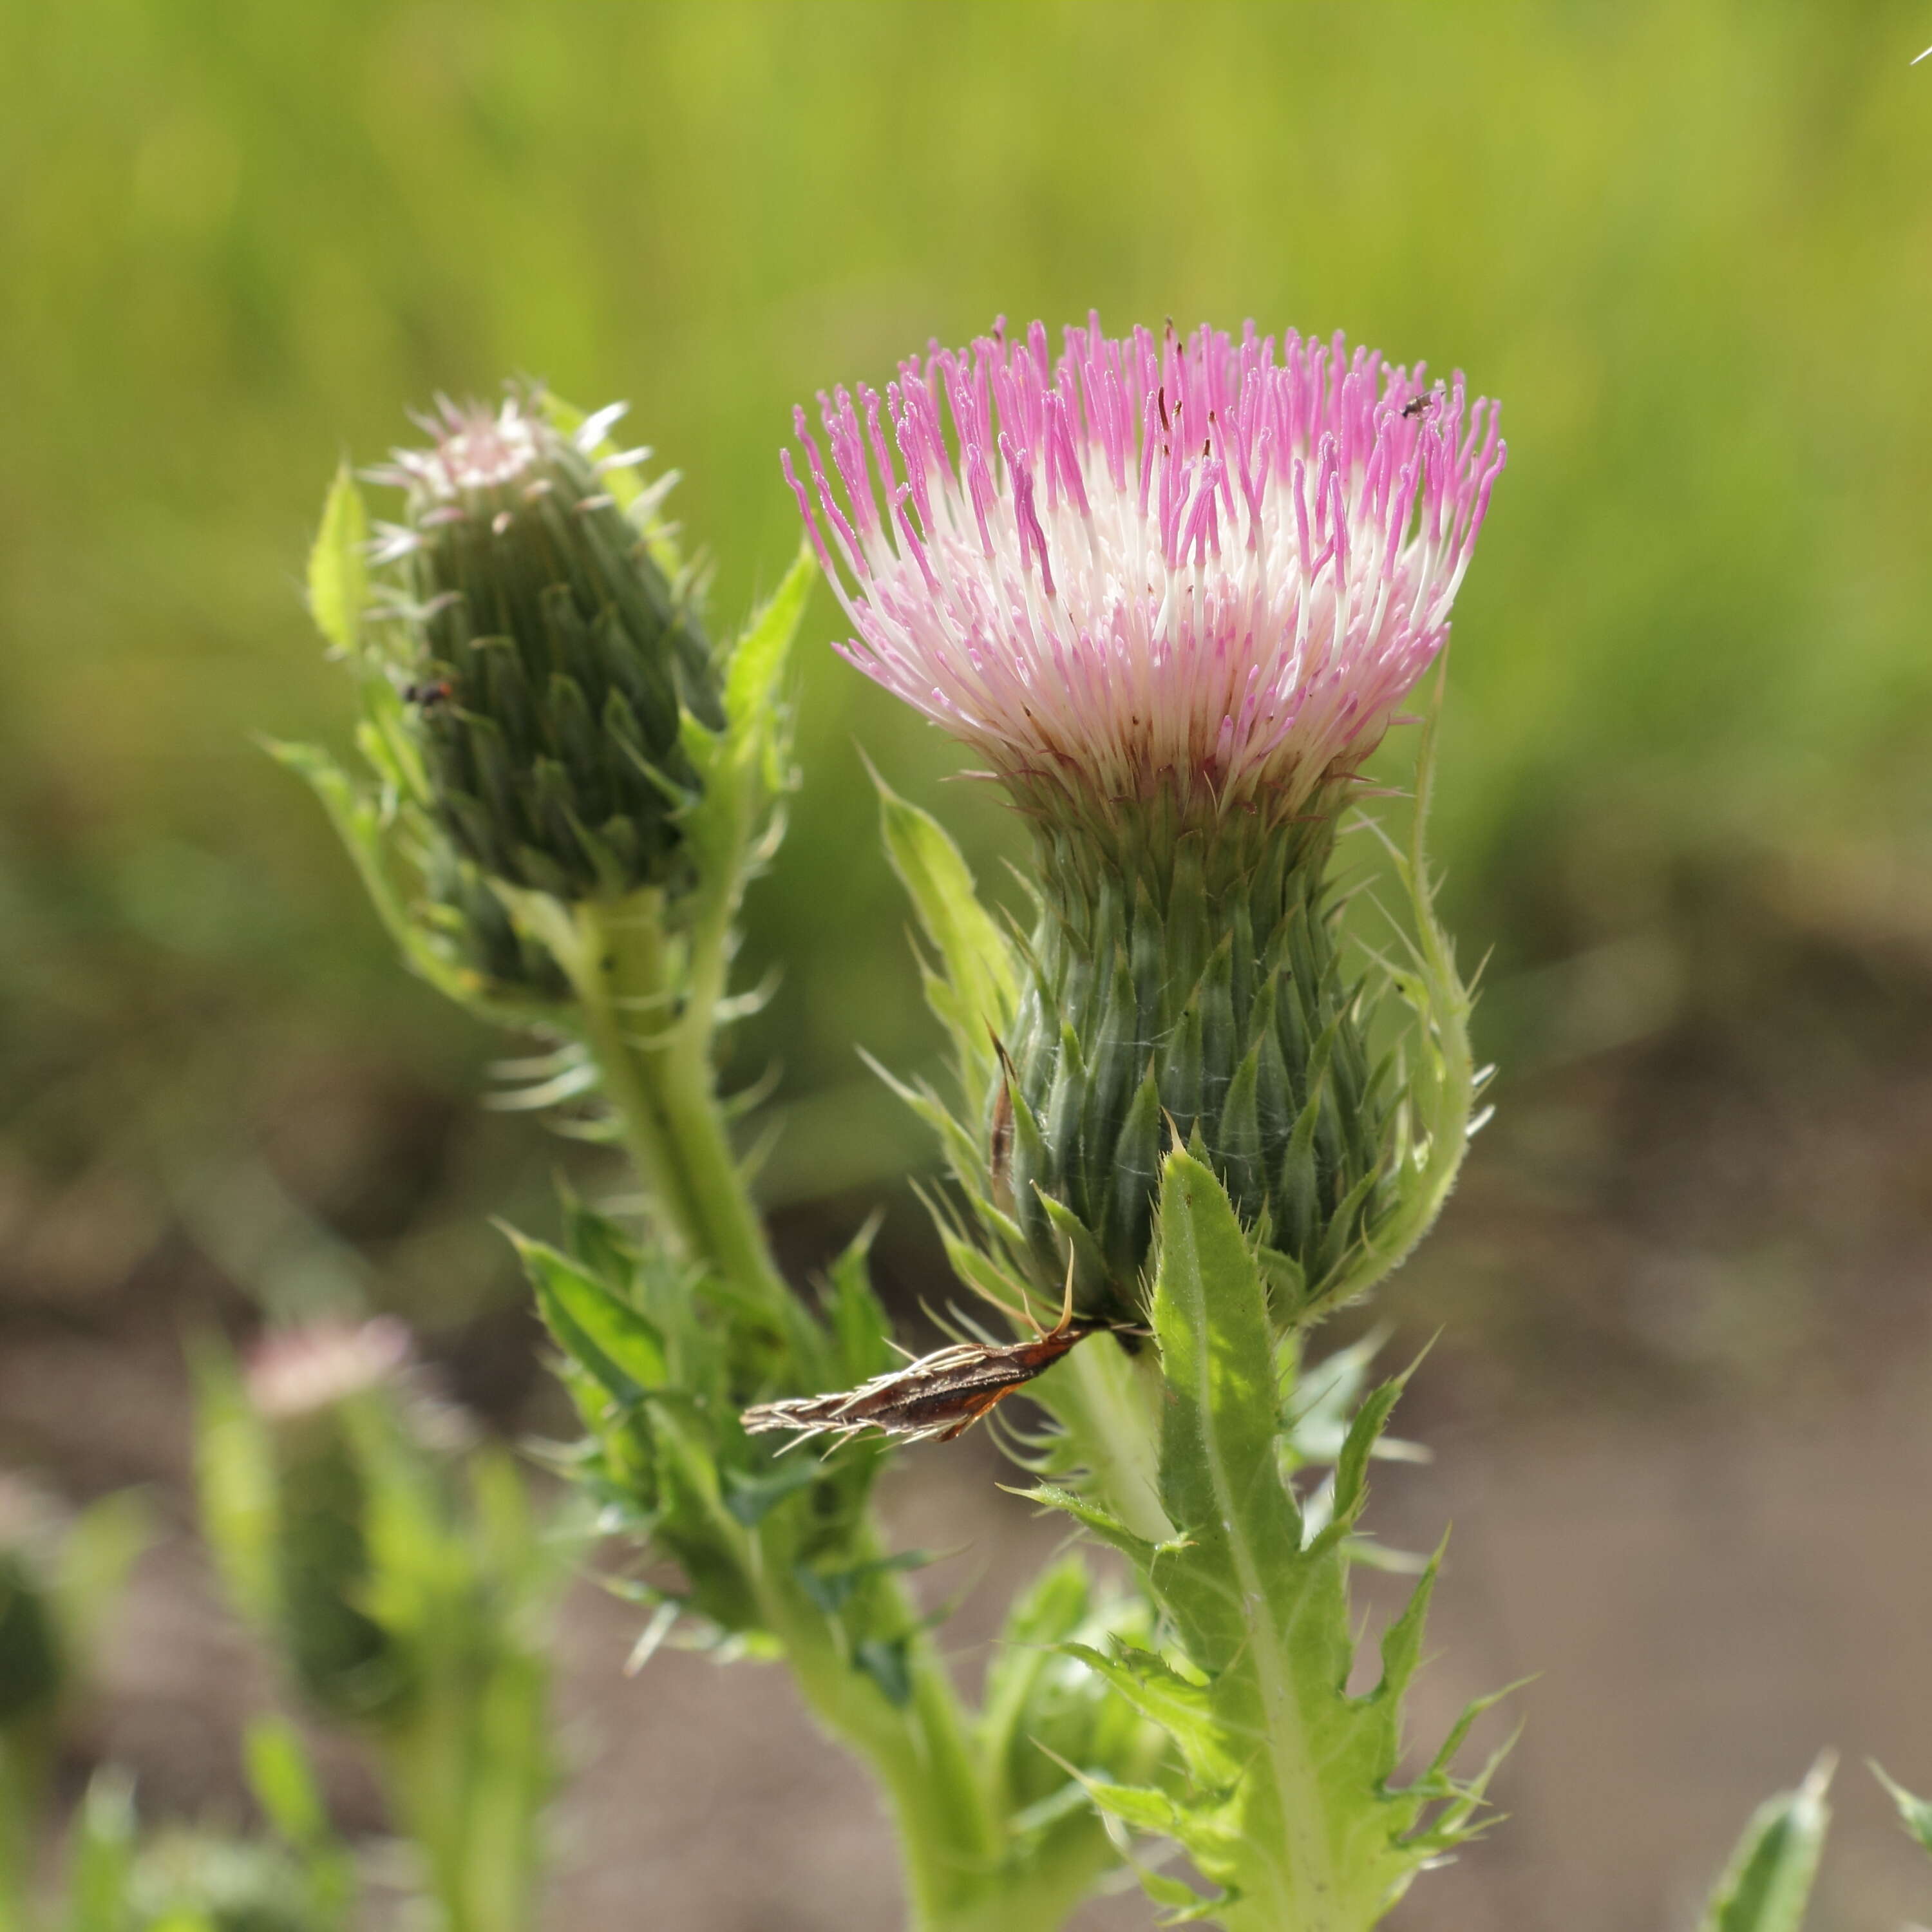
(1139, 1806)
(1092, 1517)
(1401, 1641)
(758, 659)
(1352, 1466)
(1184, 1710)
(1220, 1482)
(860, 1332)
(965, 934)
(1187, 1906)
(605, 1336)
(338, 570)
(751, 1499)
(1915, 1813)
(1767, 1883)
(886, 1661)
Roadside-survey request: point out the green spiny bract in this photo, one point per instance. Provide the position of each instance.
(548, 663)
(1186, 977)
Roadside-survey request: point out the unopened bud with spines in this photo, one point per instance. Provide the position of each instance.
(1173, 591)
(549, 662)
(300, 1382)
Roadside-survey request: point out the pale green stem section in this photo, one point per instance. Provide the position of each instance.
(655, 1059)
(648, 1025)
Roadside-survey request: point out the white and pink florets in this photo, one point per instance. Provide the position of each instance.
(505, 453)
(1194, 558)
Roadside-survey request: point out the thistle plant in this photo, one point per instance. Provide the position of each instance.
(1173, 593)
(407, 1591)
(567, 791)
(1212, 1085)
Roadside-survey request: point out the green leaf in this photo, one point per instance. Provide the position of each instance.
(1092, 1517)
(1442, 1082)
(284, 1782)
(1135, 1805)
(359, 822)
(759, 657)
(1049, 1611)
(1352, 1466)
(102, 1859)
(1401, 1641)
(978, 965)
(338, 569)
(1914, 1813)
(1767, 1883)
(1184, 1710)
(861, 1334)
(1292, 1803)
(751, 1498)
(1220, 1483)
(1185, 1907)
(603, 1334)
(832, 1590)
(234, 1475)
(887, 1662)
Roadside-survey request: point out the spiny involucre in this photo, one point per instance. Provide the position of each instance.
(548, 660)
(1173, 590)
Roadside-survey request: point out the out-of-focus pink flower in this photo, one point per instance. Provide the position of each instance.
(301, 1371)
(1211, 563)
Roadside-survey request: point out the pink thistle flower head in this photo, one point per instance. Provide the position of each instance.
(1211, 564)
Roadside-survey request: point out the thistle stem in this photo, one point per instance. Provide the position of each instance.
(651, 1033)
(646, 1018)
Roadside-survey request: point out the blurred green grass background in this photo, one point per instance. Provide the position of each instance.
(1689, 245)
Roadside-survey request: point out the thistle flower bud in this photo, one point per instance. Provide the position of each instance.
(300, 1383)
(1173, 593)
(547, 661)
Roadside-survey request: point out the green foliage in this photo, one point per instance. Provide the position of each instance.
(1914, 1813)
(101, 1860)
(974, 990)
(1767, 1883)
(760, 1542)
(407, 1593)
(1286, 1800)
